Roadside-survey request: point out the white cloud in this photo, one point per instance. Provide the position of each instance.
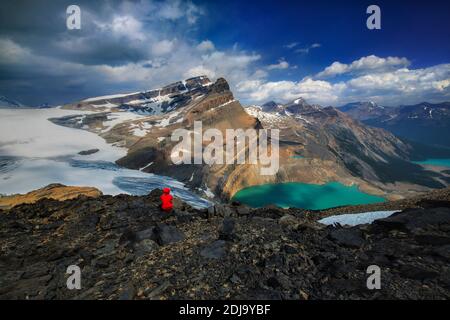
(162, 47)
(176, 9)
(193, 12)
(401, 86)
(206, 45)
(370, 63)
(282, 64)
(291, 45)
(306, 50)
(316, 91)
(127, 26)
(259, 73)
(199, 71)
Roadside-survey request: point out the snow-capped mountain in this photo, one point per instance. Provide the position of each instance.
(151, 102)
(276, 113)
(271, 106)
(296, 107)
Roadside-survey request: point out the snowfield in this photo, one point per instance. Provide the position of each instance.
(113, 96)
(355, 219)
(35, 152)
(28, 133)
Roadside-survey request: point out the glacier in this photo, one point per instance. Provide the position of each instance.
(35, 152)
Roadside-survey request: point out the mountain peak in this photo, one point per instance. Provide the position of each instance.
(299, 106)
(300, 101)
(271, 106)
(221, 85)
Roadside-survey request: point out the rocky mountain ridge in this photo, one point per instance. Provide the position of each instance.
(127, 248)
(364, 110)
(151, 102)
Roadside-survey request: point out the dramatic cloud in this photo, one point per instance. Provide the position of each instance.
(394, 87)
(139, 45)
(283, 91)
(121, 46)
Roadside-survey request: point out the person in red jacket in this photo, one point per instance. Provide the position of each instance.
(166, 200)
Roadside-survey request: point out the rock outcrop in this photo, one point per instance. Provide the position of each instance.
(54, 191)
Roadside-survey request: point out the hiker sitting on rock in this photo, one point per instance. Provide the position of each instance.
(166, 200)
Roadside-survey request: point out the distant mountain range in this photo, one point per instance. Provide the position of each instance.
(317, 144)
(9, 103)
(425, 122)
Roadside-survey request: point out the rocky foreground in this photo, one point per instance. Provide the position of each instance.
(127, 249)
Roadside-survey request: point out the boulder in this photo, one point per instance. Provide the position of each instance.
(165, 234)
(148, 233)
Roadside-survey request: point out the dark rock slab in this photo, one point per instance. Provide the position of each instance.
(350, 237)
(88, 152)
(215, 250)
(165, 234)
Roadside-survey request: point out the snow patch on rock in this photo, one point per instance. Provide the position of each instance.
(355, 219)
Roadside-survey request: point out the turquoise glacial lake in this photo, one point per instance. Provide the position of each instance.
(435, 162)
(303, 195)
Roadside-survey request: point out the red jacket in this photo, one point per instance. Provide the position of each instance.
(166, 200)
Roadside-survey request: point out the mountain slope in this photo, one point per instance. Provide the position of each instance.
(424, 122)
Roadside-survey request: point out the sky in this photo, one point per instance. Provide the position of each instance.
(267, 50)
